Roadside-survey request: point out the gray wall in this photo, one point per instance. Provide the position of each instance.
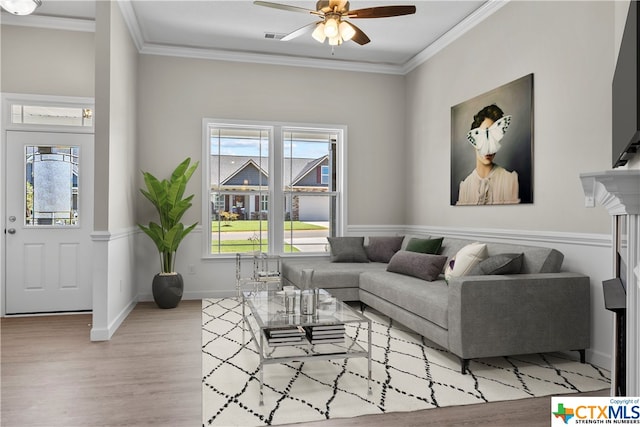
(34, 62)
(176, 93)
(569, 47)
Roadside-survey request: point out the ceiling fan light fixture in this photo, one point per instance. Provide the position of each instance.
(318, 33)
(20, 7)
(331, 27)
(346, 31)
(335, 16)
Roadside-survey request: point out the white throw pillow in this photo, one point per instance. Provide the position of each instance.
(466, 258)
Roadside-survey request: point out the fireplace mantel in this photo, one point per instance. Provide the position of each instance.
(618, 191)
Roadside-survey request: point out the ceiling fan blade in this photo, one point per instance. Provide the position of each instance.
(381, 12)
(360, 37)
(285, 7)
(300, 31)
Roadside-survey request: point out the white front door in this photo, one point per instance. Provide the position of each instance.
(49, 219)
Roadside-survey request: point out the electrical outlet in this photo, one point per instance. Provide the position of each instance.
(192, 269)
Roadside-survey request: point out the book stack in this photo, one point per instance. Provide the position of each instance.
(288, 335)
(325, 334)
(268, 274)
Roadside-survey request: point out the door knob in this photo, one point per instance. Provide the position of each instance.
(11, 231)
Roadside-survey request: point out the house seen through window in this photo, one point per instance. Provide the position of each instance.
(272, 188)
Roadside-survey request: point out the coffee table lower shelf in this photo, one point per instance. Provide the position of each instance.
(304, 350)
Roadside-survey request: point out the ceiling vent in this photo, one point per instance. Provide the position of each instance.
(274, 36)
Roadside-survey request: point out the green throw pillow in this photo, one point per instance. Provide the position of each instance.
(425, 246)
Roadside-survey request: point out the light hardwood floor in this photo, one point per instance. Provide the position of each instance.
(149, 375)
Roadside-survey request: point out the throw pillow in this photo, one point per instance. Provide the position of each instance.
(381, 249)
(499, 264)
(423, 266)
(347, 249)
(466, 258)
(425, 246)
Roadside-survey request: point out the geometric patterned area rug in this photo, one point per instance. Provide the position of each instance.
(409, 373)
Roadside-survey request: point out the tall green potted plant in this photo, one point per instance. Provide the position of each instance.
(168, 198)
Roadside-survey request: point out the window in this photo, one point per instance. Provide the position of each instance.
(275, 188)
(217, 204)
(51, 115)
(324, 177)
(264, 203)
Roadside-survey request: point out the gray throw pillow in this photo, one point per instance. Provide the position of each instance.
(423, 266)
(499, 264)
(347, 249)
(381, 249)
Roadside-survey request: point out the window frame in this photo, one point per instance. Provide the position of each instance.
(276, 190)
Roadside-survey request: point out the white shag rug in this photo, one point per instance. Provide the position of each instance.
(409, 373)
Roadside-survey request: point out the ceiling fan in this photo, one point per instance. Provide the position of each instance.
(333, 24)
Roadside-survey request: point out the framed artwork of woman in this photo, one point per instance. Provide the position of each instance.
(492, 147)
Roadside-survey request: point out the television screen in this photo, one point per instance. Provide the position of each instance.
(626, 114)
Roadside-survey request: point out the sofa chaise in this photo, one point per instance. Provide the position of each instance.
(475, 315)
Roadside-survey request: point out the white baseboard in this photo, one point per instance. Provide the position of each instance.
(599, 358)
(195, 295)
(105, 334)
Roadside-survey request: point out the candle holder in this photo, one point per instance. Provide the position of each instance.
(308, 295)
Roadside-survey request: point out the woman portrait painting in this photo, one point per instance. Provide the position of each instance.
(488, 183)
(491, 147)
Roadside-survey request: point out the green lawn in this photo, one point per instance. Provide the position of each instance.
(251, 225)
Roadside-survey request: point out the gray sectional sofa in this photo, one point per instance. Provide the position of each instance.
(541, 309)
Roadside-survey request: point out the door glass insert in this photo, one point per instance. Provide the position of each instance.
(51, 185)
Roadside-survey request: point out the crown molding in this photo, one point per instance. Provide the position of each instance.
(131, 21)
(479, 15)
(49, 22)
(138, 37)
(257, 58)
(227, 55)
(248, 57)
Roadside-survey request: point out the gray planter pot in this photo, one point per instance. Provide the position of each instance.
(167, 289)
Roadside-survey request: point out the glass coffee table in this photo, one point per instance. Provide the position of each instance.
(282, 337)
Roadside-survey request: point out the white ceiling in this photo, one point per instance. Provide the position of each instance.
(235, 30)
